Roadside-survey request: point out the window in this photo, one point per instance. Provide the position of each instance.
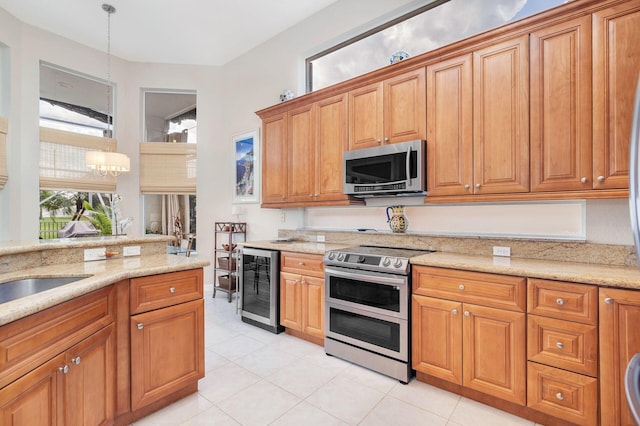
(168, 163)
(437, 24)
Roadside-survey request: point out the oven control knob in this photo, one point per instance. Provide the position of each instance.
(332, 255)
(341, 256)
(386, 261)
(397, 263)
(360, 259)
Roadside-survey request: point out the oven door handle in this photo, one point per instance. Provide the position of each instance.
(369, 276)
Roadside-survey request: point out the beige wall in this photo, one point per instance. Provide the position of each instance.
(227, 98)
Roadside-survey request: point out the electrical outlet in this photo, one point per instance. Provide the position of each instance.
(283, 216)
(501, 251)
(97, 253)
(320, 238)
(131, 251)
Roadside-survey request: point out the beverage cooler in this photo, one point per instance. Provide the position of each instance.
(260, 288)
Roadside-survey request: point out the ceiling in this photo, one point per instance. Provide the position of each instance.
(199, 32)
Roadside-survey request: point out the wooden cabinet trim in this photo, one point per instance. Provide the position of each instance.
(159, 291)
(562, 300)
(302, 263)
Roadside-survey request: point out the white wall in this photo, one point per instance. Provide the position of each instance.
(227, 99)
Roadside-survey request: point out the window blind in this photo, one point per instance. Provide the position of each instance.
(167, 168)
(4, 127)
(62, 164)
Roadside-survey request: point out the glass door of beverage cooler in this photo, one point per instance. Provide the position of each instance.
(259, 286)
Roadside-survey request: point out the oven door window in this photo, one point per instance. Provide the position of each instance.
(382, 296)
(361, 328)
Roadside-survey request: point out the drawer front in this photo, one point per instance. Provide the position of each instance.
(28, 342)
(568, 301)
(301, 263)
(497, 291)
(568, 345)
(159, 291)
(569, 396)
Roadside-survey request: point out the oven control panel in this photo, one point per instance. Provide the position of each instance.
(364, 261)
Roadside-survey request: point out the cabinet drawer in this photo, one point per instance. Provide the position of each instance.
(568, 301)
(159, 291)
(300, 263)
(497, 291)
(568, 345)
(28, 342)
(569, 396)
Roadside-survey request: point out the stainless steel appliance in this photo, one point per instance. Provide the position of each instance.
(367, 308)
(259, 288)
(394, 169)
(632, 386)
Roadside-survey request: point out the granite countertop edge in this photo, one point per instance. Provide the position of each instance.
(575, 272)
(98, 274)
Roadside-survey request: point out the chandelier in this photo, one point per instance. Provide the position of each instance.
(108, 162)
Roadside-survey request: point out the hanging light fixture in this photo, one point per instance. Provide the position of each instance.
(108, 162)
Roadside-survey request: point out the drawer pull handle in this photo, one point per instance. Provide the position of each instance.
(140, 326)
(466, 313)
(76, 360)
(172, 290)
(560, 301)
(461, 287)
(300, 263)
(608, 300)
(560, 345)
(560, 396)
(454, 312)
(64, 370)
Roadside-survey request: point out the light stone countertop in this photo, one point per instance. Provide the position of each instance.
(99, 274)
(308, 247)
(587, 273)
(15, 247)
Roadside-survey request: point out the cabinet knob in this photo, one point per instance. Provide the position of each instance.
(283, 197)
(140, 326)
(300, 263)
(379, 141)
(560, 345)
(64, 370)
(461, 287)
(466, 313)
(172, 290)
(600, 178)
(386, 139)
(302, 282)
(560, 396)
(608, 300)
(467, 186)
(477, 185)
(454, 312)
(560, 301)
(584, 180)
(76, 360)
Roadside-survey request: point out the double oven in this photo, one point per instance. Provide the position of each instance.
(367, 303)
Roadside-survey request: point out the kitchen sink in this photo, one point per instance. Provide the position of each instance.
(13, 290)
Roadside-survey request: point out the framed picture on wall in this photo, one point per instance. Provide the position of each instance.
(246, 158)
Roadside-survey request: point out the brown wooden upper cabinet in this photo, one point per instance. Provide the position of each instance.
(390, 111)
(561, 151)
(274, 158)
(477, 121)
(616, 66)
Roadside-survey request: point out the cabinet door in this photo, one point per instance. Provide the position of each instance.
(436, 329)
(32, 399)
(313, 306)
(494, 356)
(405, 102)
(561, 151)
(449, 127)
(616, 64)
(167, 351)
(274, 159)
(290, 301)
(332, 140)
(365, 117)
(619, 341)
(301, 173)
(89, 386)
(501, 117)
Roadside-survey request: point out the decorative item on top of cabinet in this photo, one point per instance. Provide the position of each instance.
(562, 367)
(227, 235)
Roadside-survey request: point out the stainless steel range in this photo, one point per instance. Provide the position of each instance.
(368, 292)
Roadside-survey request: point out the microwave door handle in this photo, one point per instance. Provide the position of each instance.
(408, 167)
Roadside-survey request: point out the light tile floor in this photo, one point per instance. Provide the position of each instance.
(254, 377)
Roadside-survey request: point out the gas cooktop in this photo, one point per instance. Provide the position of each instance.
(383, 259)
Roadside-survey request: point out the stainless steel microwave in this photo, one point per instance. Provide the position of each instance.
(394, 169)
